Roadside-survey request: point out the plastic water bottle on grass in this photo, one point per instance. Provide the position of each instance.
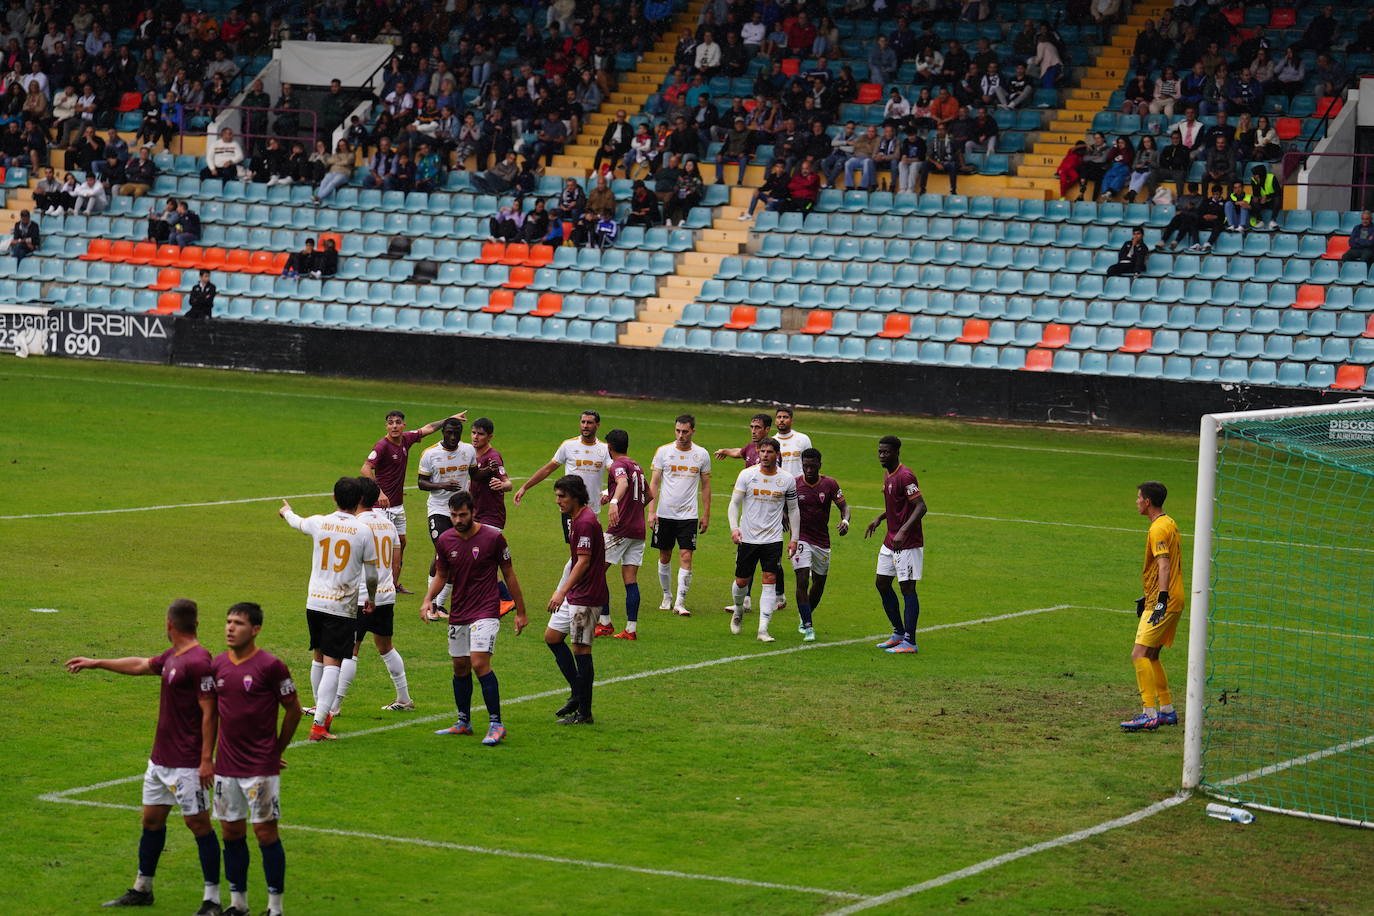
(1227, 813)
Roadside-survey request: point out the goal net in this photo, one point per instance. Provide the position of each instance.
(1280, 711)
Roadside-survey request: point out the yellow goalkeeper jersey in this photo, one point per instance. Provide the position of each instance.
(1162, 541)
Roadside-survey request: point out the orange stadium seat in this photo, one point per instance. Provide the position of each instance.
(1288, 128)
(144, 252)
(869, 93)
(1336, 247)
(236, 261)
(520, 277)
(492, 253)
(1310, 297)
(742, 318)
(549, 304)
(120, 251)
(279, 262)
(1038, 361)
(1055, 336)
(791, 66)
(500, 300)
(540, 256)
(190, 256)
(1349, 378)
(1138, 340)
(975, 331)
(260, 262)
(96, 250)
(1284, 18)
(1328, 105)
(515, 253)
(167, 256)
(167, 278)
(168, 303)
(818, 322)
(1369, 328)
(336, 236)
(213, 259)
(896, 326)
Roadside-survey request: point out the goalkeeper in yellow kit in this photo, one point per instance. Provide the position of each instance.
(1159, 609)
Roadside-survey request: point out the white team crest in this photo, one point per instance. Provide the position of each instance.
(474, 553)
(171, 674)
(247, 682)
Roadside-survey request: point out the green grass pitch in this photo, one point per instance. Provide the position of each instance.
(728, 777)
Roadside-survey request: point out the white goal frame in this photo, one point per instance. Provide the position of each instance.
(1201, 592)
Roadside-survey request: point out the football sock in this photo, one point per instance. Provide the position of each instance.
(462, 695)
(1145, 680)
(236, 870)
(586, 676)
(397, 669)
(324, 699)
(665, 580)
(149, 850)
(347, 669)
(491, 695)
(631, 605)
(567, 568)
(564, 656)
(894, 616)
(777, 586)
(767, 602)
(684, 582)
(1166, 697)
(274, 870)
(445, 594)
(738, 593)
(804, 611)
(504, 592)
(911, 614)
(316, 672)
(605, 613)
(207, 846)
(431, 585)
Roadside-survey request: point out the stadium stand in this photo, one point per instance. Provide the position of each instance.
(1003, 275)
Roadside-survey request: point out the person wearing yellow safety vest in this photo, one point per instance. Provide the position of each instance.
(1237, 207)
(1265, 197)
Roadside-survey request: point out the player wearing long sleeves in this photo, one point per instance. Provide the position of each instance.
(763, 496)
(1162, 586)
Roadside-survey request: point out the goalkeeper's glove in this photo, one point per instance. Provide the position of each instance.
(1140, 605)
(1161, 605)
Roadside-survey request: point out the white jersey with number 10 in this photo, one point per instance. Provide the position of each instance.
(386, 539)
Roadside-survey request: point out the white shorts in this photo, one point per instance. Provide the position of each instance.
(577, 620)
(624, 551)
(252, 798)
(904, 564)
(478, 636)
(175, 787)
(397, 514)
(809, 556)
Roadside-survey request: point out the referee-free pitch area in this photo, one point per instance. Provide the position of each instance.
(986, 774)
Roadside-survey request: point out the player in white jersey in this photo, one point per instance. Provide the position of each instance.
(380, 622)
(586, 456)
(679, 470)
(445, 469)
(763, 497)
(790, 446)
(345, 554)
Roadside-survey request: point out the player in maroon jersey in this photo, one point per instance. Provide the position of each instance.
(902, 555)
(179, 768)
(625, 530)
(489, 486)
(467, 557)
(386, 464)
(816, 493)
(250, 684)
(577, 600)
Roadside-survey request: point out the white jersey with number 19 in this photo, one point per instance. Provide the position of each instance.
(342, 545)
(386, 539)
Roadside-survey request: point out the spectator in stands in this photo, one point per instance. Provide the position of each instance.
(790, 144)
(496, 138)
(738, 148)
(920, 116)
(911, 164)
(404, 178)
(803, 190)
(930, 63)
(1244, 93)
(201, 298)
(1167, 91)
(1143, 167)
(184, 225)
(381, 167)
(992, 87)
(1362, 240)
(763, 120)
(499, 179)
(956, 63)
(1214, 91)
(24, 238)
(301, 263)
(1320, 32)
(644, 207)
(1266, 197)
(222, 157)
(1185, 222)
(1221, 163)
(1094, 165)
(1020, 89)
(1069, 173)
(300, 169)
(536, 222)
(861, 160)
(615, 141)
(1289, 76)
(984, 135)
(942, 157)
(1119, 165)
(1190, 131)
(1046, 62)
(684, 141)
(1130, 260)
(842, 148)
(90, 196)
(665, 178)
(706, 56)
(573, 200)
(606, 231)
(1331, 76)
(887, 156)
(1191, 86)
(1140, 93)
(641, 152)
(552, 134)
(111, 174)
(1265, 144)
(160, 221)
(555, 235)
(601, 197)
(505, 225)
(340, 169)
(897, 109)
(688, 193)
(429, 169)
(772, 193)
(1237, 207)
(704, 119)
(882, 61)
(1211, 219)
(47, 194)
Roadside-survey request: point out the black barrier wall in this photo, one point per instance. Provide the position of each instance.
(1033, 397)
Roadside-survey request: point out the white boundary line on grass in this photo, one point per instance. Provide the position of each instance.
(64, 796)
(1258, 626)
(217, 502)
(557, 413)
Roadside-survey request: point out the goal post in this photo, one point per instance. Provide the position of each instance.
(1280, 700)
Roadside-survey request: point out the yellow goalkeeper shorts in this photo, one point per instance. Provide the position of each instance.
(1159, 635)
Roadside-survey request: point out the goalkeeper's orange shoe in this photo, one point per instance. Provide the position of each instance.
(507, 607)
(603, 629)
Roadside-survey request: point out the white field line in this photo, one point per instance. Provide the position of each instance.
(65, 796)
(1258, 626)
(217, 502)
(740, 427)
(1298, 761)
